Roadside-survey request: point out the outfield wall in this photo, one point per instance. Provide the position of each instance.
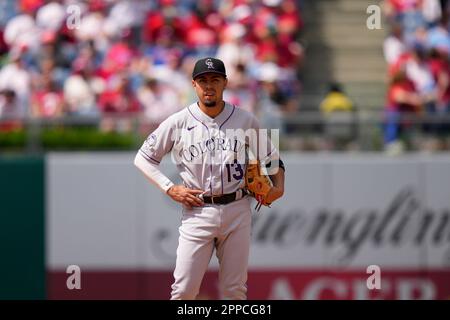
(22, 263)
(340, 214)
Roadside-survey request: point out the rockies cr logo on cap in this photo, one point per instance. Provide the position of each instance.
(209, 63)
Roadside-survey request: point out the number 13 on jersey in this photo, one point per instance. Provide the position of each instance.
(234, 170)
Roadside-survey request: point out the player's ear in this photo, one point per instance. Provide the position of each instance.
(193, 83)
(226, 82)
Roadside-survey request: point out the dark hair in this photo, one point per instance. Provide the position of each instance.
(151, 82)
(334, 87)
(8, 93)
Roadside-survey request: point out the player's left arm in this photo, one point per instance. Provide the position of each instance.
(277, 189)
(269, 157)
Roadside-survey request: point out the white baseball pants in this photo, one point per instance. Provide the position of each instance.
(226, 228)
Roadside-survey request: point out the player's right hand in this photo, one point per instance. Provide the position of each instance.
(187, 197)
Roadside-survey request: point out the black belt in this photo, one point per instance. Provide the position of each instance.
(223, 199)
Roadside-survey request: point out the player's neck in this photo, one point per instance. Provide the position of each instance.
(212, 111)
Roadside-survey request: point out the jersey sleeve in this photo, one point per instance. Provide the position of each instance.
(159, 142)
(152, 173)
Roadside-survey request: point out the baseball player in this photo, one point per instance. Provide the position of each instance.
(216, 210)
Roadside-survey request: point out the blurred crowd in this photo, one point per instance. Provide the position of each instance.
(105, 60)
(417, 51)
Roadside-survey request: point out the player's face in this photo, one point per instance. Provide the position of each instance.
(209, 88)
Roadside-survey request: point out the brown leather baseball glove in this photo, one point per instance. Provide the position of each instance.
(257, 184)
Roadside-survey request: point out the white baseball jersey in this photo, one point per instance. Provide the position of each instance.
(209, 152)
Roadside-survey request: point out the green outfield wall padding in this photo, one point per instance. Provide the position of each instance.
(22, 237)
